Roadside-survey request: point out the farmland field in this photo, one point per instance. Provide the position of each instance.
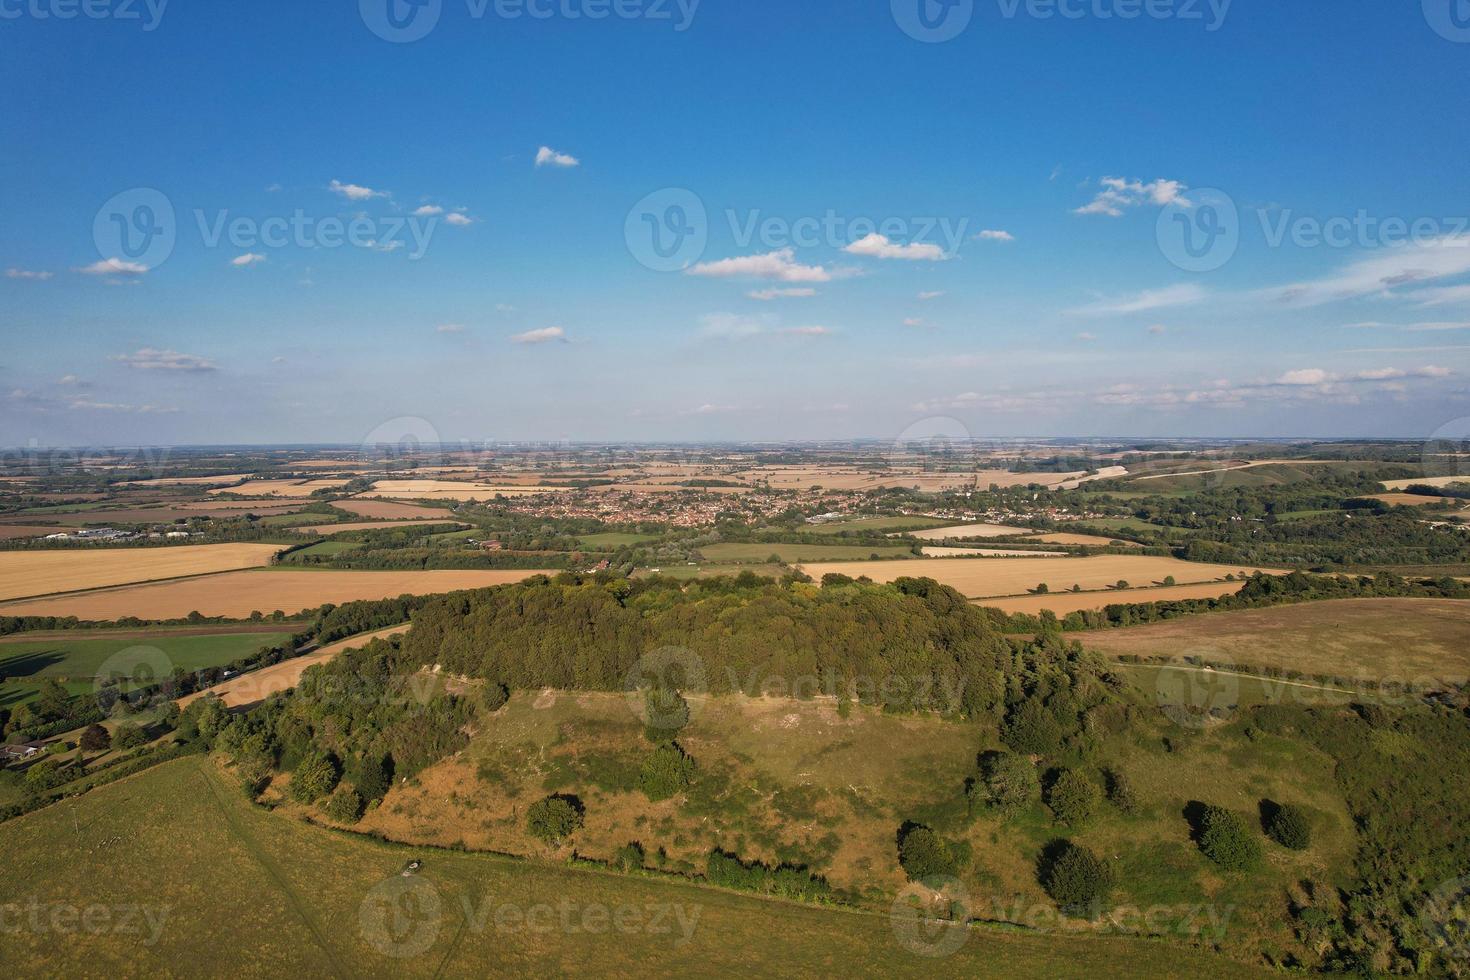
(886, 524)
(373, 525)
(800, 552)
(258, 685)
(238, 594)
(1399, 638)
(77, 657)
(39, 573)
(962, 531)
(1428, 481)
(982, 577)
(1090, 540)
(938, 551)
(281, 488)
(451, 490)
(1063, 603)
(288, 899)
(389, 510)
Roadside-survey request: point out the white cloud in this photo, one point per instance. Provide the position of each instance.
(1148, 299)
(458, 219)
(27, 274)
(246, 260)
(450, 328)
(808, 331)
(68, 380)
(152, 359)
(428, 211)
(732, 326)
(1443, 295)
(1389, 272)
(879, 247)
(547, 157)
(1119, 194)
(1422, 327)
(995, 235)
(913, 321)
(114, 267)
(770, 294)
(544, 335)
(780, 265)
(1303, 376)
(934, 294)
(355, 192)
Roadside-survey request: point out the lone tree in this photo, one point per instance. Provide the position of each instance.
(1073, 798)
(924, 854)
(345, 806)
(1290, 827)
(129, 736)
(666, 772)
(1008, 782)
(1074, 877)
(495, 696)
(1225, 838)
(376, 777)
(314, 778)
(554, 819)
(95, 738)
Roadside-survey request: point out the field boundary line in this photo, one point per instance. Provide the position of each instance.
(1236, 673)
(121, 586)
(268, 865)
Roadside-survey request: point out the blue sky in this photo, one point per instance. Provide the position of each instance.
(990, 226)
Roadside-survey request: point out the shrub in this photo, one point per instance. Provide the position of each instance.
(1073, 798)
(1121, 793)
(1226, 839)
(95, 738)
(554, 819)
(924, 854)
(129, 736)
(1009, 781)
(314, 778)
(495, 696)
(629, 857)
(1075, 877)
(345, 806)
(1290, 827)
(666, 772)
(376, 777)
(1032, 729)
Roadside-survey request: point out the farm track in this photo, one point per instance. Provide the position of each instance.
(268, 865)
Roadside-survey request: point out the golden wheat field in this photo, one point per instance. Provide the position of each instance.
(965, 531)
(256, 686)
(1092, 540)
(238, 594)
(388, 510)
(281, 488)
(1062, 603)
(982, 577)
(935, 551)
(40, 573)
(1428, 481)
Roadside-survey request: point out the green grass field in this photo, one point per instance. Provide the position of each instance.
(613, 540)
(323, 549)
(200, 881)
(296, 520)
(760, 553)
(25, 664)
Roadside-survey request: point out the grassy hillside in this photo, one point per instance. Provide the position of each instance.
(197, 875)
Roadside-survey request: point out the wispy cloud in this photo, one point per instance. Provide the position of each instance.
(545, 335)
(932, 294)
(27, 274)
(114, 267)
(1140, 302)
(995, 235)
(547, 157)
(765, 295)
(450, 328)
(153, 359)
(1397, 271)
(247, 260)
(1118, 194)
(880, 247)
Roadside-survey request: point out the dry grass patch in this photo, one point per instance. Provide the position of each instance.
(1063, 603)
(389, 510)
(281, 488)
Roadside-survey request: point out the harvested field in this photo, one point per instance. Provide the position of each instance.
(1091, 540)
(281, 488)
(978, 578)
(1427, 481)
(1379, 638)
(1062, 603)
(964, 531)
(451, 490)
(1412, 499)
(388, 510)
(256, 686)
(40, 573)
(190, 481)
(238, 594)
(935, 551)
(326, 529)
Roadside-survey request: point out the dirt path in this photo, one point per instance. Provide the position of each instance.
(1235, 673)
